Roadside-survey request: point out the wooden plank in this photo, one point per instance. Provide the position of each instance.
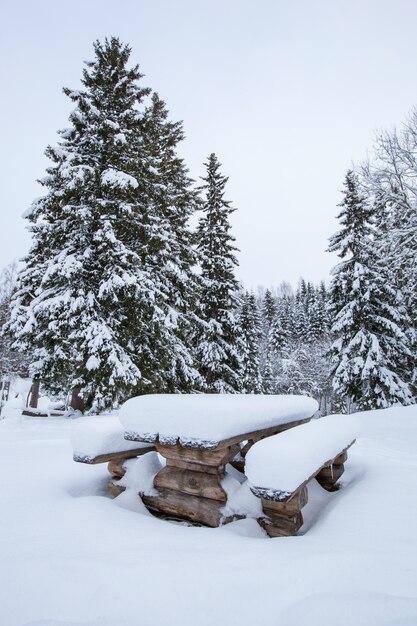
(215, 458)
(245, 449)
(282, 526)
(341, 458)
(42, 413)
(292, 507)
(105, 458)
(257, 435)
(190, 482)
(196, 467)
(176, 505)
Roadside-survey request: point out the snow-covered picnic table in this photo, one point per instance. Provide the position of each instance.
(198, 436)
(211, 421)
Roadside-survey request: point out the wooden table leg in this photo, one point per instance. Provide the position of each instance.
(189, 485)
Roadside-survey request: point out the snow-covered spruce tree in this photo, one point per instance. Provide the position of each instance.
(170, 257)
(369, 345)
(88, 305)
(269, 310)
(390, 180)
(12, 363)
(268, 355)
(251, 333)
(218, 341)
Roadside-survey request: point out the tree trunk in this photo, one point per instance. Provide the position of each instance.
(77, 402)
(34, 393)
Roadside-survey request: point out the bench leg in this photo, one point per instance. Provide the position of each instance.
(328, 476)
(117, 471)
(284, 519)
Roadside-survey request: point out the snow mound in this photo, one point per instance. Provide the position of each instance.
(361, 609)
(140, 473)
(203, 420)
(93, 436)
(240, 499)
(283, 462)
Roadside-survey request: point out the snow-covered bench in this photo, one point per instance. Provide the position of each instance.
(101, 440)
(279, 468)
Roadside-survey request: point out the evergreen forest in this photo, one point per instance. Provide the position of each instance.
(120, 296)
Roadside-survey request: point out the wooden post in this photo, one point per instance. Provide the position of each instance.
(34, 393)
(284, 519)
(189, 486)
(328, 476)
(117, 472)
(77, 402)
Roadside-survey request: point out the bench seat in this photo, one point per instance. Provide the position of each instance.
(280, 467)
(101, 440)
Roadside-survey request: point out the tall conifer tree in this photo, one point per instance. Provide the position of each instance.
(369, 344)
(269, 316)
(218, 344)
(90, 306)
(170, 257)
(251, 328)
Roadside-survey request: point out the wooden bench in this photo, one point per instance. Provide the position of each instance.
(280, 468)
(101, 440)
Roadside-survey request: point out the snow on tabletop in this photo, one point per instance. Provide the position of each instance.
(93, 436)
(203, 420)
(283, 462)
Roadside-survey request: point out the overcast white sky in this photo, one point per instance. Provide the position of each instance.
(287, 93)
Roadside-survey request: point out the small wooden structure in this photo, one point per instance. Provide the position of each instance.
(190, 485)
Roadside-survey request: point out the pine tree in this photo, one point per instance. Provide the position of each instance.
(267, 350)
(269, 309)
(250, 324)
(170, 257)
(369, 345)
(90, 306)
(218, 343)
(300, 320)
(390, 180)
(12, 363)
(278, 337)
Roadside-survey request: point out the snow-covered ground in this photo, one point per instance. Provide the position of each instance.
(70, 555)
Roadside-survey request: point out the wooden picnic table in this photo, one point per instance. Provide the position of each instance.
(190, 485)
(187, 433)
